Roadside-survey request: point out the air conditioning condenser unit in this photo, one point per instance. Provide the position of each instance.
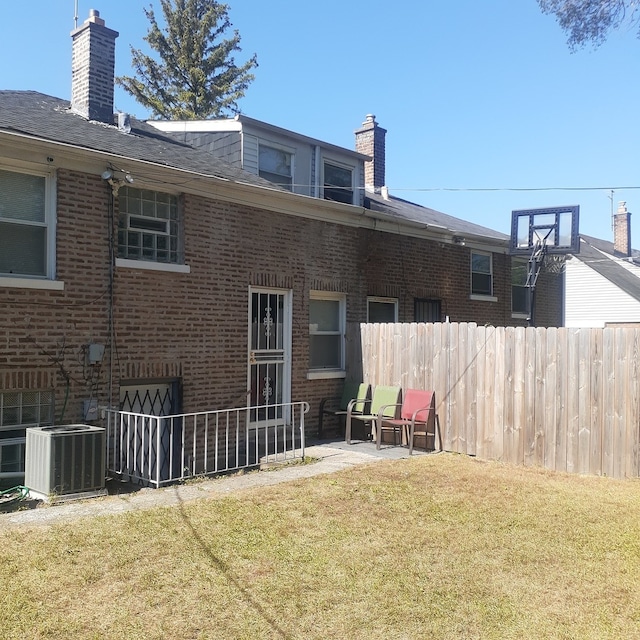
(66, 461)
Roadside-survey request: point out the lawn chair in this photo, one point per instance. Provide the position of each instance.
(359, 391)
(382, 396)
(417, 418)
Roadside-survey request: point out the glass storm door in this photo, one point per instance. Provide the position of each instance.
(269, 369)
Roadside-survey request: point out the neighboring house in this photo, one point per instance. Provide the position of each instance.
(603, 280)
(136, 271)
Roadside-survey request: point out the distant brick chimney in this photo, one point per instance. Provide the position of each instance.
(622, 231)
(93, 69)
(370, 140)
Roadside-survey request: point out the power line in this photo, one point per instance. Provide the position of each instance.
(511, 188)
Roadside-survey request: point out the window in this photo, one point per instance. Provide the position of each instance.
(27, 239)
(382, 310)
(19, 410)
(338, 183)
(481, 274)
(519, 290)
(275, 166)
(148, 225)
(427, 310)
(327, 320)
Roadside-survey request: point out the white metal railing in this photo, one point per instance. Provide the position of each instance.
(159, 450)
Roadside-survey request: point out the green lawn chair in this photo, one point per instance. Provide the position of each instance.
(360, 392)
(384, 398)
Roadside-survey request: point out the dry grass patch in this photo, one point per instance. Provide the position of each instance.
(431, 547)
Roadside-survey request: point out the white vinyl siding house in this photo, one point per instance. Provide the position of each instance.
(591, 300)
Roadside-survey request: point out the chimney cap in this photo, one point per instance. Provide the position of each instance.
(94, 16)
(622, 207)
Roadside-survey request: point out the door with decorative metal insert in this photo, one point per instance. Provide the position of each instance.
(269, 367)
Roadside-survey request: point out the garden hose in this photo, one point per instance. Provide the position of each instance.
(15, 494)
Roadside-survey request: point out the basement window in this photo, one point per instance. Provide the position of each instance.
(19, 410)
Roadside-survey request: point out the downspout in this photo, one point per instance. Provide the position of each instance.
(316, 171)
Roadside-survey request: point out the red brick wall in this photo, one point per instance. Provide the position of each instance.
(194, 326)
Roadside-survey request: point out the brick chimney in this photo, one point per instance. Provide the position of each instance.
(622, 231)
(370, 140)
(93, 69)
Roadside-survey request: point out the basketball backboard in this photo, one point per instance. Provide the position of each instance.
(555, 228)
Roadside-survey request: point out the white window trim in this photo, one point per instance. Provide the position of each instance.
(343, 165)
(28, 283)
(152, 266)
(283, 148)
(393, 301)
(10, 442)
(50, 186)
(481, 296)
(316, 374)
(519, 315)
(146, 264)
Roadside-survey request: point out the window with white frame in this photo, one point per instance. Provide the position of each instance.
(19, 410)
(327, 323)
(519, 289)
(148, 226)
(481, 274)
(275, 165)
(338, 182)
(382, 309)
(27, 236)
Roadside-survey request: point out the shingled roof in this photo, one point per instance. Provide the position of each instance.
(47, 118)
(415, 213)
(599, 256)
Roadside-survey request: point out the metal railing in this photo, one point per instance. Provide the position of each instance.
(160, 450)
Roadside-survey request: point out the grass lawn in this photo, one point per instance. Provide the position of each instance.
(430, 547)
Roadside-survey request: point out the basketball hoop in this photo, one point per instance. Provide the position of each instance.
(554, 263)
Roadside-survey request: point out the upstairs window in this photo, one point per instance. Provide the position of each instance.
(27, 238)
(275, 165)
(338, 183)
(481, 274)
(327, 319)
(148, 225)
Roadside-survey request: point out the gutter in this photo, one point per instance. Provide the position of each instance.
(173, 178)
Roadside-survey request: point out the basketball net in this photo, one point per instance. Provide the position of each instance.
(554, 263)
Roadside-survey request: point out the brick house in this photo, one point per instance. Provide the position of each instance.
(136, 270)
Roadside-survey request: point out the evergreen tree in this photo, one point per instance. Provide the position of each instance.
(591, 20)
(197, 76)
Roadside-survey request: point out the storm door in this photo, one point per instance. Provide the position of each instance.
(269, 367)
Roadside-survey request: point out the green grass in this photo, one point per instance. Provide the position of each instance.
(431, 547)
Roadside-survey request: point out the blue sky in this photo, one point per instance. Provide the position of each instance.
(479, 99)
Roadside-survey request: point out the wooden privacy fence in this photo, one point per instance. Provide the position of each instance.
(559, 398)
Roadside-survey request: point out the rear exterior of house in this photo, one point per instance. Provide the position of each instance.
(138, 273)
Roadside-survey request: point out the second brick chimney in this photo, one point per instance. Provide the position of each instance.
(622, 231)
(93, 69)
(370, 140)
